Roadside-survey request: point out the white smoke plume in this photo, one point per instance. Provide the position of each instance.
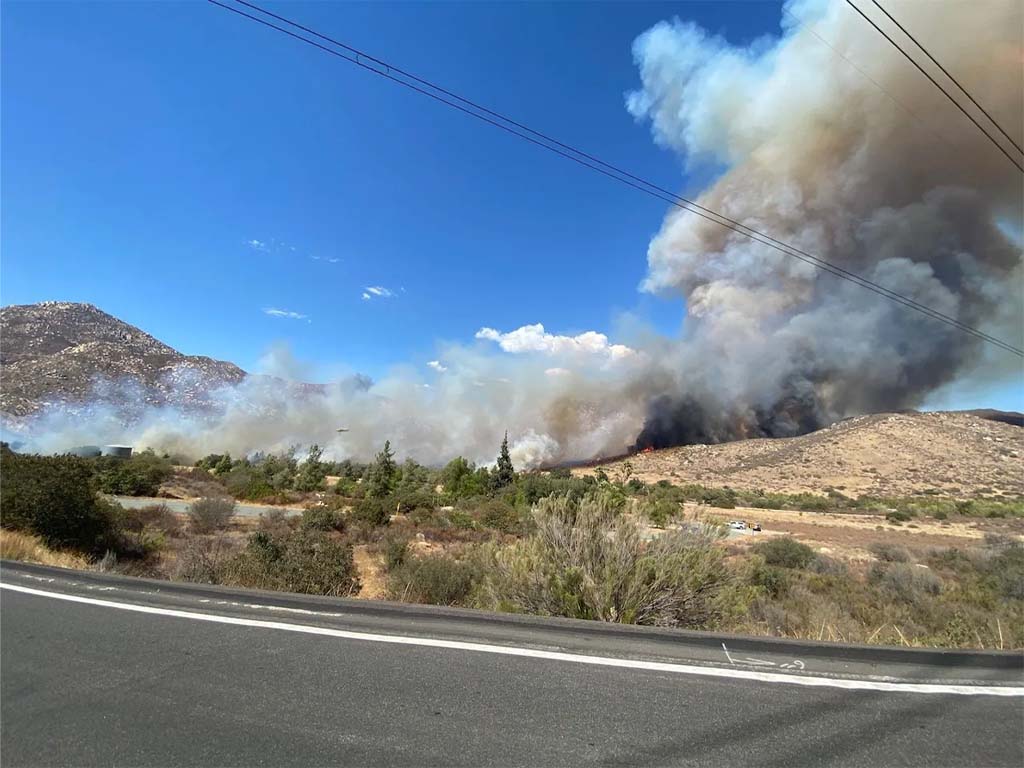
(872, 170)
(462, 408)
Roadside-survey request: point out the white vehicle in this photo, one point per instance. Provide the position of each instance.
(738, 525)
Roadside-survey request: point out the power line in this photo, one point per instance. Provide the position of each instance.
(807, 27)
(946, 73)
(937, 85)
(537, 138)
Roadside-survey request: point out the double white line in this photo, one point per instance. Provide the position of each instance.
(574, 658)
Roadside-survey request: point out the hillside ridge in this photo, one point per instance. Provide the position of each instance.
(957, 453)
(73, 353)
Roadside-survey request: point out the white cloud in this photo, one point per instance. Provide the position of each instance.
(533, 338)
(378, 291)
(437, 366)
(556, 371)
(328, 259)
(286, 313)
(256, 245)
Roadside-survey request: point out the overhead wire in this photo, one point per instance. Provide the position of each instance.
(938, 85)
(537, 138)
(947, 74)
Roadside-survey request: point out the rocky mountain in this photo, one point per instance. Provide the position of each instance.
(73, 353)
(958, 453)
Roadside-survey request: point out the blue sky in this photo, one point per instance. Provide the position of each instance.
(145, 144)
(185, 170)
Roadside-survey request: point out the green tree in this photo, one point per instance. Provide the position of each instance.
(504, 474)
(223, 465)
(312, 471)
(381, 475)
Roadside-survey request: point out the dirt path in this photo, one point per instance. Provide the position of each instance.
(371, 573)
(851, 535)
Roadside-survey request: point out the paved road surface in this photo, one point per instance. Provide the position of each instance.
(181, 507)
(84, 683)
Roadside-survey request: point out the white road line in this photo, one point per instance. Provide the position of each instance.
(509, 650)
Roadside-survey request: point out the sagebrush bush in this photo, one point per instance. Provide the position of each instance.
(829, 566)
(307, 561)
(890, 553)
(275, 522)
(202, 558)
(53, 497)
(904, 582)
(584, 560)
(785, 552)
(210, 514)
(432, 579)
(158, 517)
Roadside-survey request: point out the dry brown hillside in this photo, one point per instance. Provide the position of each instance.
(959, 454)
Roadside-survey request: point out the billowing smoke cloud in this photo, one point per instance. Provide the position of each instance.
(884, 178)
(462, 406)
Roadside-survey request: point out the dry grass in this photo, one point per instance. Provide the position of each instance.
(15, 545)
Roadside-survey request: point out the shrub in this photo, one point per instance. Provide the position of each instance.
(372, 511)
(785, 552)
(53, 497)
(202, 559)
(586, 561)
(395, 551)
(244, 482)
(661, 511)
(210, 514)
(139, 475)
(890, 553)
(432, 579)
(906, 583)
(275, 522)
(772, 579)
(461, 519)
(139, 533)
(500, 516)
(158, 517)
(723, 498)
(1008, 568)
(322, 518)
(408, 500)
(898, 516)
(823, 565)
(306, 561)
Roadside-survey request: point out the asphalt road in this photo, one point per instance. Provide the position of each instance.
(87, 684)
(180, 507)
